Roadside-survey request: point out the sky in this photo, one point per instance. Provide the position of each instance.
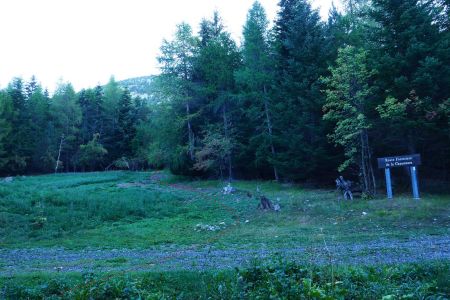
(85, 42)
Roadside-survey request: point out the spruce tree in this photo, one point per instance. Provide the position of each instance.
(255, 80)
(412, 77)
(177, 67)
(6, 116)
(215, 66)
(301, 57)
(66, 113)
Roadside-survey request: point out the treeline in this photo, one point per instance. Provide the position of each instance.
(306, 98)
(93, 129)
(297, 101)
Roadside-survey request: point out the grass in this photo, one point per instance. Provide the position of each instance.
(278, 281)
(83, 210)
(116, 210)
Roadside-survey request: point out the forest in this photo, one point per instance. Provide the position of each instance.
(299, 100)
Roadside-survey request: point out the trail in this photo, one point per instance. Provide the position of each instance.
(172, 258)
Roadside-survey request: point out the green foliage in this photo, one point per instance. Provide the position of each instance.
(212, 156)
(255, 79)
(406, 48)
(348, 94)
(301, 55)
(91, 155)
(279, 281)
(5, 127)
(265, 97)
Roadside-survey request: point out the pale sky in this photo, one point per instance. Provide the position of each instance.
(86, 41)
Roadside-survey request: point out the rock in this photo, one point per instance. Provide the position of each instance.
(228, 189)
(276, 207)
(8, 179)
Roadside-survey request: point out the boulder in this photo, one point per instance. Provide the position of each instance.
(8, 179)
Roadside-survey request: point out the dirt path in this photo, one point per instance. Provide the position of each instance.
(13, 262)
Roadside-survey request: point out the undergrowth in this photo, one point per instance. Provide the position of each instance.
(277, 281)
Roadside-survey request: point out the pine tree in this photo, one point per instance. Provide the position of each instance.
(6, 116)
(126, 124)
(255, 79)
(412, 77)
(177, 67)
(301, 56)
(21, 142)
(66, 113)
(112, 93)
(215, 66)
(38, 107)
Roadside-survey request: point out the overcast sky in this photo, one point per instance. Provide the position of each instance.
(86, 41)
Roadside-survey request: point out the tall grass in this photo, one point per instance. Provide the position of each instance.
(124, 209)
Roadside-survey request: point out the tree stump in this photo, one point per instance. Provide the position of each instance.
(265, 203)
(345, 186)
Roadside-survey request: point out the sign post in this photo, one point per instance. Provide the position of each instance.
(387, 172)
(410, 161)
(415, 186)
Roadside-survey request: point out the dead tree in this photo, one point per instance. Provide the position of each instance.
(59, 153)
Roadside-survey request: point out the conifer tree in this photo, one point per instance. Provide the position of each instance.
(126, 124)
(215, 66)
(177, 67)
(66, 113)
(301, 58)
(255, 80)
(6, 115)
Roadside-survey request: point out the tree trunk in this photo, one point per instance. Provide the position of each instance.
(363, 163)
(59, 153)
(265, 203)
(369, 153)
(366, 164)
(190, 133)
(269, 129)
(226, 131)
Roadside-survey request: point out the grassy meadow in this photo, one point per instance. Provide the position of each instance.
(156, 210)
(139, 210)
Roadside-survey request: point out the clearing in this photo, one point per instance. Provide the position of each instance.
(155, 221)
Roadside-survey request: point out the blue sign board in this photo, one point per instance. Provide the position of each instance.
(399, 161)
(409, 161)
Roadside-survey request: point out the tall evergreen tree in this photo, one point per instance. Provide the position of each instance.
(6, 116)
(66, 113)
(411, 79)
(215, 66)
(21, 142)
(112, 93)
(177, 67)
(38, 106)
(126, 124)
(301, 58)
(255, 80)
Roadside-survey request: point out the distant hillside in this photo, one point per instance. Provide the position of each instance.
(139, 86)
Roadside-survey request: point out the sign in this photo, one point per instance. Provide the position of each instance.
(399, 161)
(409, 161)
